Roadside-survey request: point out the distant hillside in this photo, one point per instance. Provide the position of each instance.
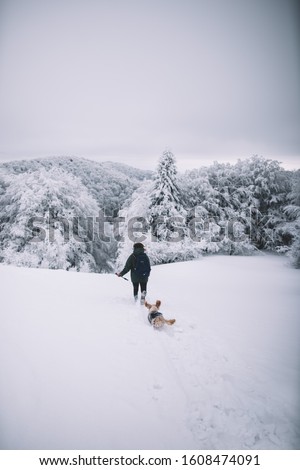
(49, 211)
(109, 183)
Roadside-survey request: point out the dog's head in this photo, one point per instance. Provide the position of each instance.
(153, 307)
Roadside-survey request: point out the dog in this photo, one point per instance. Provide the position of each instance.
(156, 318)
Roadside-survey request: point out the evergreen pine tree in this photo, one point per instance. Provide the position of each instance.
(165, 209)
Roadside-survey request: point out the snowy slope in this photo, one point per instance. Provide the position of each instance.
(80, 367)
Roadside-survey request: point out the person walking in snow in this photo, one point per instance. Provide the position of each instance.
(138, 264)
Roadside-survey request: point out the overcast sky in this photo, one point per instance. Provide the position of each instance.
(124, 79)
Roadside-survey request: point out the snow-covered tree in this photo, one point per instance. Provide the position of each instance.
(110, 183)
(156, 212)
(165, 209)
(248, 197)
(47, 220)
(292, 227)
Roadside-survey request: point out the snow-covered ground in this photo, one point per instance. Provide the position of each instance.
(81, 368)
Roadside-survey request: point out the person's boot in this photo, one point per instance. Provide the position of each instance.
(143, 297)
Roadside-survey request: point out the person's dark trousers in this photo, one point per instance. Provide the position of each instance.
(136, 285)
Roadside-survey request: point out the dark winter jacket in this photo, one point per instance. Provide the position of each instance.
(131, 264)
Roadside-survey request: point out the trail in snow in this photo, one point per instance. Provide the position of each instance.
(81, 368)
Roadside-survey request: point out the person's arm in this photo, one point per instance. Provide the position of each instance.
(127, 267)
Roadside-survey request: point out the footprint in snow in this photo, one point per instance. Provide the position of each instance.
(157, 387)
(178, 330)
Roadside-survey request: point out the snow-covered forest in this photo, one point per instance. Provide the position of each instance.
(84, 369)
(76, 214)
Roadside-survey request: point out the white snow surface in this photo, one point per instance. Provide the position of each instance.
(81, 367)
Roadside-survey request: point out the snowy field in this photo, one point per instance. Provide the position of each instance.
(81, 368)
